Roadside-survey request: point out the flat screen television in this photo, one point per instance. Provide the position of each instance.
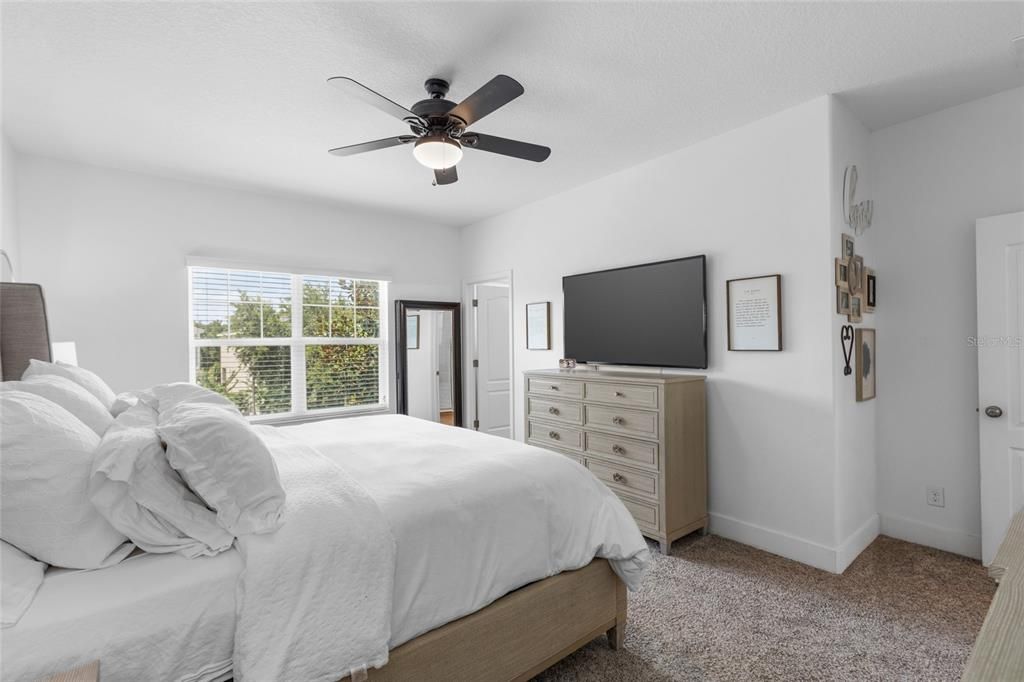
(652, 315)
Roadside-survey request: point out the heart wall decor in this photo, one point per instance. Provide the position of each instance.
(846, 338)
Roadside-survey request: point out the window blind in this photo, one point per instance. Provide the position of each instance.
(287, 344)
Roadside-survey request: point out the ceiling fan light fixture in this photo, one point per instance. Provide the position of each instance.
(437, 151)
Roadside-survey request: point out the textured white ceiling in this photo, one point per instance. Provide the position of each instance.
(235, 92)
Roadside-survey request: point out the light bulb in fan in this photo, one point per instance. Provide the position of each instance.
(437, 151)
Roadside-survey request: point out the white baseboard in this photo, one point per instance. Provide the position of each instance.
(833, 560)
(776, 542)
(947, 539)
(857, 543)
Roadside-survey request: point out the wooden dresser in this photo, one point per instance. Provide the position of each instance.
(640, 433)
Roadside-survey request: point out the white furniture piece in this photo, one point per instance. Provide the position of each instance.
(641, 433)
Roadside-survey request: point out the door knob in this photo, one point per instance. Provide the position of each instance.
(994, 411)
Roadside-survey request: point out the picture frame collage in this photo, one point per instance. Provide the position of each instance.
(856, 284)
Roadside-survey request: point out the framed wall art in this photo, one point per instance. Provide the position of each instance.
(843, 273)
(847, 250)
(856, 281)
(842, 301)
(754, 307)
(864, 346)
(856, 308)
(870, 286)
(538, 323)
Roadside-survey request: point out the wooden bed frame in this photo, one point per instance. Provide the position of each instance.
(519, 635)
(514, 638)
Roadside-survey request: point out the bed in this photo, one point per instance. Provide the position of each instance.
(495, 579)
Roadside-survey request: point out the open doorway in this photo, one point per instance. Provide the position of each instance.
(490, 386)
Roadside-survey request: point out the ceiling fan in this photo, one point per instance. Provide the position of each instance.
(439, 126)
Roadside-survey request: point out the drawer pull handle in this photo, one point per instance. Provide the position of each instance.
(620, 394)
(553, 435)
(618, 478)
(554, 388)
(553, 410)
(618, 420)
(618, 450)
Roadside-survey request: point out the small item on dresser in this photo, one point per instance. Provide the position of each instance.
(567, 363)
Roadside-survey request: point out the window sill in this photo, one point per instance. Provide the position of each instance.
(290, 419)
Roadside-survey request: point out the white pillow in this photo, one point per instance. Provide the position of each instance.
(68, 395)
(44, 477)
(138, 492)
(169, 395)
(220, 456)
(83, 377)
(21, 577)
(165, 396)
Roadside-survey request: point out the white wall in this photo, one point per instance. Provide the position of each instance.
(857, 521)
(932, 177)
(756, 201)
(9, 232)
(109, 248)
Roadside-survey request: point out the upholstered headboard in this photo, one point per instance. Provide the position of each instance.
(24, 332)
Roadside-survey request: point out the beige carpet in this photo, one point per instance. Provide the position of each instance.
(718, 610)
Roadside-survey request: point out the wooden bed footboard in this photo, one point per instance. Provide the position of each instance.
(520, 634)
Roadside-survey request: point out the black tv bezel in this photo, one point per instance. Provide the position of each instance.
(704, 293)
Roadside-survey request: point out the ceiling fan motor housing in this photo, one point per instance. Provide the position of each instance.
(435, 109)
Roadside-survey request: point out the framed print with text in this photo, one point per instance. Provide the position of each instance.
(754, 313)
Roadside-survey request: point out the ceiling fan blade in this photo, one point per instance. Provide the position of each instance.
(446, 176)
(495, 94)
(500, 145)
(374, 99)
(372, 146)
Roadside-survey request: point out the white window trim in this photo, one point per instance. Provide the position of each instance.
(298, 343)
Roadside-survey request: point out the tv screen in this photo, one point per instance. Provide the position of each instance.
(651, 314)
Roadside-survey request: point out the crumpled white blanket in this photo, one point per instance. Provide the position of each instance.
(314, 599)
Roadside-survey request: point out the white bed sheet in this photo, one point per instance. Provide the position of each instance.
(151, 617)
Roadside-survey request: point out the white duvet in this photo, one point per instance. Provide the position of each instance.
(471, 518)
(474, 516)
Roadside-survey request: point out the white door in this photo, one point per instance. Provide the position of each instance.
(444, 361)
(1000, 342)
(493, 383)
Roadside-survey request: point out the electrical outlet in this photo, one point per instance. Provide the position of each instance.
(936, 496)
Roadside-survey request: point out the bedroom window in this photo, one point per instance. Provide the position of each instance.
(285, 344)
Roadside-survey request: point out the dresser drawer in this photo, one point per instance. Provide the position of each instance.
(634, 452)
(555, 436)
(625, 421)
(574, 456)
(571, 413)
(622, 394)
(555, 387)
(646, 514)
(625, 479)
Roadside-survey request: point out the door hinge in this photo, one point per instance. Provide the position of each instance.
(476, 363)
(476, 303)
(476, 424)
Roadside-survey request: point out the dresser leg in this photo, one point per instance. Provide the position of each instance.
(666, 546)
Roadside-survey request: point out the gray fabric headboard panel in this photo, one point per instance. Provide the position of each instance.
(24, 332)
